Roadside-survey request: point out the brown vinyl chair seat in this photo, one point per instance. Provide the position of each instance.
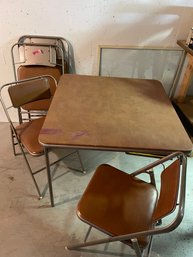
(118, 203)
(28, 133)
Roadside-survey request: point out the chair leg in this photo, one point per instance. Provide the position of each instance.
(48, 164)
(46, 152)
(81, 163)
(149, 247)
(88, 233)
(152, 177)
(19, 115)
(30, 170)
(13, 142)
(136, 247)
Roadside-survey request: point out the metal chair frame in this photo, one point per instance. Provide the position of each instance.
(168, 227)
(15, 138)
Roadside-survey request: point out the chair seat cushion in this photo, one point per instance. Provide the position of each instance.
(28, 133)
(117, 203)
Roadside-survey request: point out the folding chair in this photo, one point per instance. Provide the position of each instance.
(25, 134)
(127, 208)
(36, 56)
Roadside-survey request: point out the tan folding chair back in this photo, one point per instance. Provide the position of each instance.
(29, 91)
(25, 72)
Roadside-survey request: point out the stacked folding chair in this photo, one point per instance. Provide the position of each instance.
(36, 56)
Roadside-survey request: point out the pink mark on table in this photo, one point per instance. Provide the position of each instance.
(78, 134)
(38, 51)
(51, 131)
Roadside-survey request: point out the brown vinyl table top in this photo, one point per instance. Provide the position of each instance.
(120, 114)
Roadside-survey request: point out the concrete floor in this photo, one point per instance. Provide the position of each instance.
(30, 228)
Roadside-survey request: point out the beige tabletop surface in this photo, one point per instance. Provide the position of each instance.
(121, 114)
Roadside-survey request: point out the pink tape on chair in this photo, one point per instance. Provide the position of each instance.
(38, 51)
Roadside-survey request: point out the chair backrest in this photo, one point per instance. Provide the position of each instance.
(26, 91)
(170, 181)
(172, 188)
(40, 51)
(25, 72)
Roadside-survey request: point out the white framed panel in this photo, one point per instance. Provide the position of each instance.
(140, 62)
